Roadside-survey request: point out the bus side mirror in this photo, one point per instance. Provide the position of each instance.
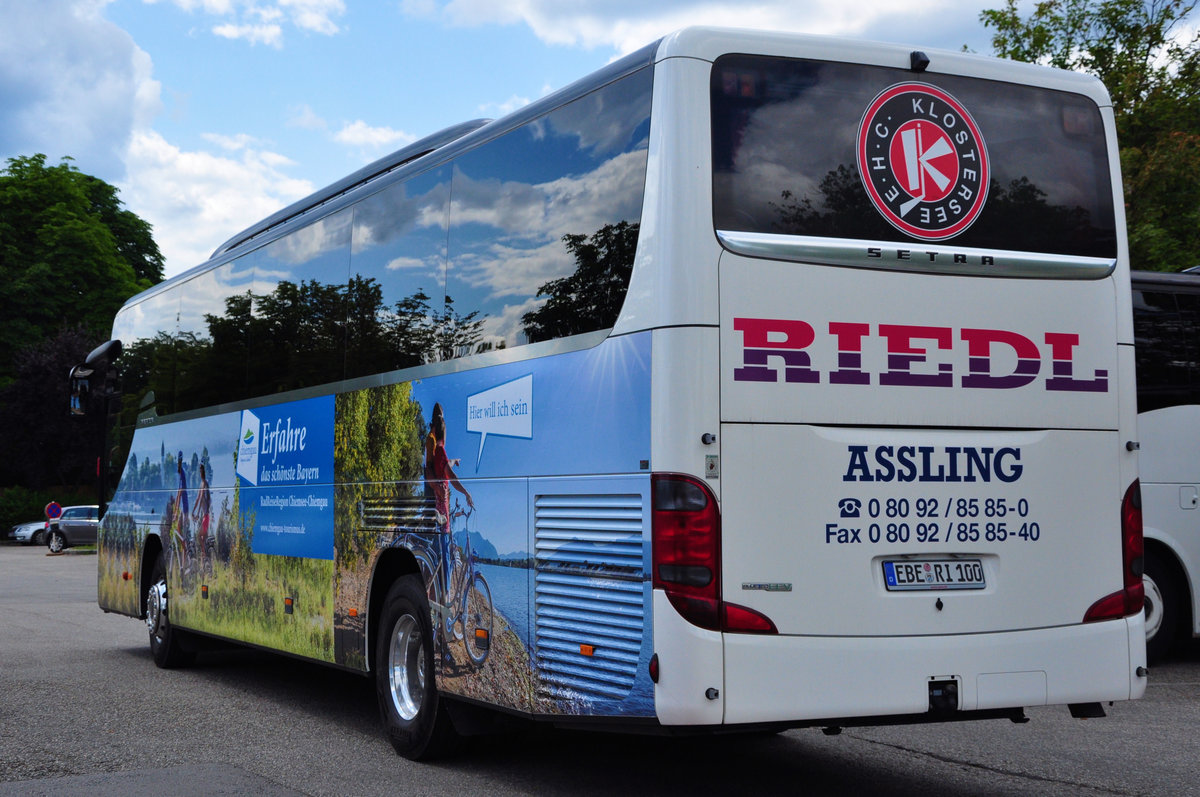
(82, 376)
(105, 352)
(80, 388)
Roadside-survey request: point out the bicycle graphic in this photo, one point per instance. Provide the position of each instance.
(460, 599)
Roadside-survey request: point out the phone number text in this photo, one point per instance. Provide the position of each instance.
(958, 508)
(933, 520)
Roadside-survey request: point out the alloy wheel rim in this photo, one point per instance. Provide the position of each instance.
(156, 608)
(406, 667)
(1154, 603)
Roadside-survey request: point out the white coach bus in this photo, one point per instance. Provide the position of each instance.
(1166, 326)
(755, 381)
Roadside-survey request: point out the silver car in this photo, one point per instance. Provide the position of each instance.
(76, 525)
(31, 533)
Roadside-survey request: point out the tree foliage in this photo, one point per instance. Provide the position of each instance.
(42, 444)
(70, 254)
(1151, 66)
(591, 297)
(377, 441)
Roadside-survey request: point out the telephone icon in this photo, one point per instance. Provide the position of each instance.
(850, 507)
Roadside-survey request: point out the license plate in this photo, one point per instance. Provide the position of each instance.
(917, 574)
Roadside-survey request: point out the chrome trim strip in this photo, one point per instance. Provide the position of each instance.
(915, 257)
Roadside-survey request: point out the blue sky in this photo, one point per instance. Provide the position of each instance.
(211, 114)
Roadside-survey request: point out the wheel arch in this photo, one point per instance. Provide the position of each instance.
(392, 564)
(1170, 557)
(150, 553)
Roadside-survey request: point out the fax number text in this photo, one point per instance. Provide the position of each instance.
(933, 520)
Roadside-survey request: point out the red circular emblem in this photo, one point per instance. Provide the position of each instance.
(923, 161)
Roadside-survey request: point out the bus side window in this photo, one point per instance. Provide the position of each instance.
(1160, 349)
(1189, 330)
(545, 222)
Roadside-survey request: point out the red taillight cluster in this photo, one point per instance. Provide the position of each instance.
(687, 556)
(1130, 600)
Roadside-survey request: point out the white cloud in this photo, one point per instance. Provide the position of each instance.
(498, 109)
(327, 236)
(259, 23)
(196, 200)
(71, 83)
(421, 9)
(271, 35)
(407, 264)
(507, 325)
(367, 138)
(314, 15)
(232, 143)
(305, 118)
(626, 25)
(525, 246)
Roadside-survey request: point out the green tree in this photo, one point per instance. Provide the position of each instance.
(69, 254)
(591, 297)
(1151, 67)
(43, 445)
(455, 335)
(378, 438)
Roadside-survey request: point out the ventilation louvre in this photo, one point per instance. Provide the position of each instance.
(588, 594)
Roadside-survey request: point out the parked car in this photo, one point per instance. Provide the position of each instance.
(31, 533)
(76, 525)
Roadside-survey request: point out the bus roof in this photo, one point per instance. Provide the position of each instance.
(364, 175)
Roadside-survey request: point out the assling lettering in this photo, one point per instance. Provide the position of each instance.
(933, 464)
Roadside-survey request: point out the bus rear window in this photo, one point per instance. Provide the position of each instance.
(836, 150)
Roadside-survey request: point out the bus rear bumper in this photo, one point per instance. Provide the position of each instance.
(744, 679)
(823, 677)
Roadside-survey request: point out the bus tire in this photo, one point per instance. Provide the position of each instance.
(414, 717)
(1162, 606)
(166, 642)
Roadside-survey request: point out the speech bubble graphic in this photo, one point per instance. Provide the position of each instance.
(505, 410)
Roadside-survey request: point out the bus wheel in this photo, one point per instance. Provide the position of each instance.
(165, 642)
(1162, 607)
(417, 723)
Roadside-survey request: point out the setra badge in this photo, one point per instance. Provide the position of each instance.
(923, 161)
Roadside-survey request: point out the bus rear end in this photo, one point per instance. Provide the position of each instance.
(918, 497)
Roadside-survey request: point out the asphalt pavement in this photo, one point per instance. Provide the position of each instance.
(83, 710)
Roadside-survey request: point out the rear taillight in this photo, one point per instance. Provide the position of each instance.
(687, 548)
(1130, 600)
(687, 556)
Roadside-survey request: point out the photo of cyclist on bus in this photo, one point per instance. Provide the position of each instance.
(439, 477)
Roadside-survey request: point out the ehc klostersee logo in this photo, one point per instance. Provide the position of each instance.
(923, 161)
